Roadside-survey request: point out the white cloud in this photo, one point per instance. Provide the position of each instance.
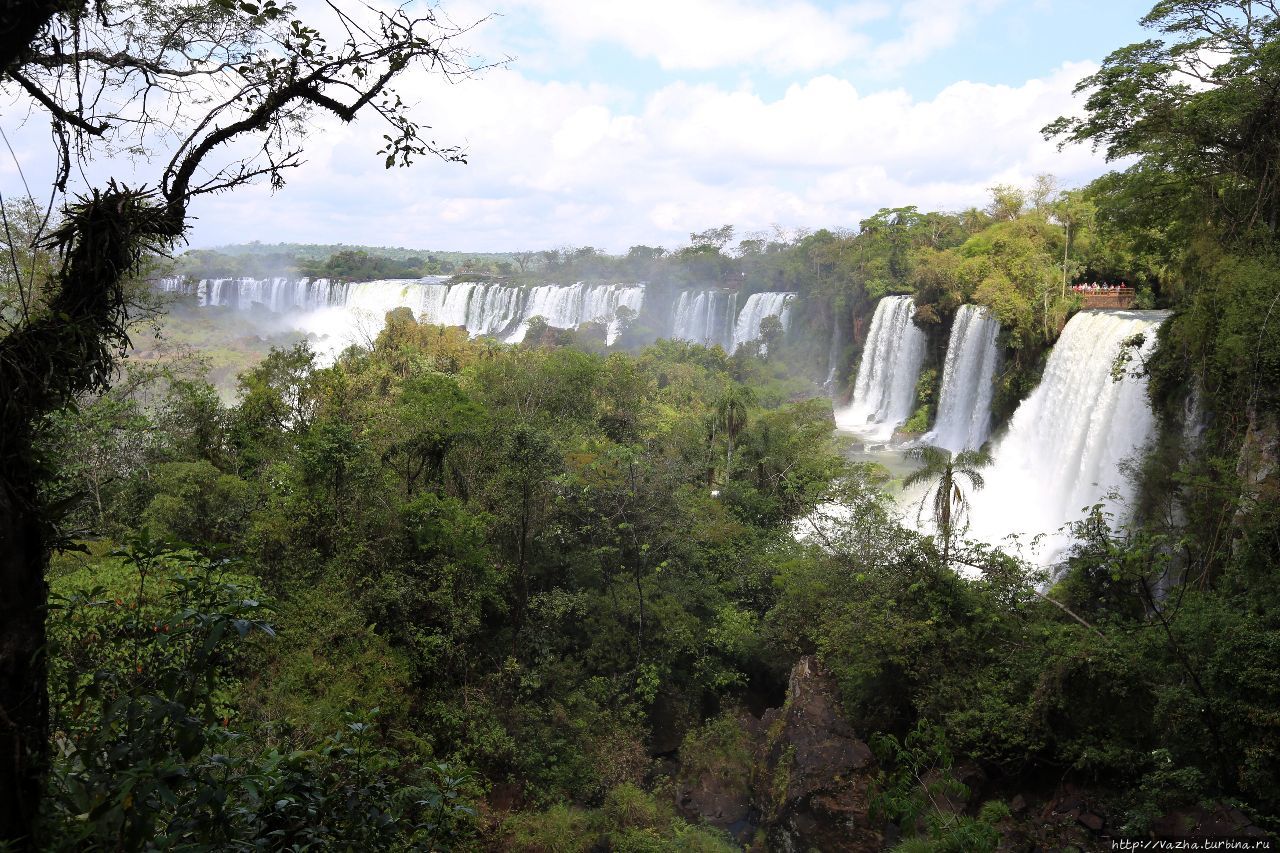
(706, 34)
(563, 164)
(927, 27)
(787, 36)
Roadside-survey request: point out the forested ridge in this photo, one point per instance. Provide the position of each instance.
(449, 593)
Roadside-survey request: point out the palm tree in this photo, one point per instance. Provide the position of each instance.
(944, 471)
(731, 415)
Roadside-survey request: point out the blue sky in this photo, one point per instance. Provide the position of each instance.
(1003, 42)
(625, 123)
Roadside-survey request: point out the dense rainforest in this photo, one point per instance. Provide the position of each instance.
(449, 593)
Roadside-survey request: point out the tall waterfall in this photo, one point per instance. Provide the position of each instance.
(758, 307)
(1067, 441)
(833, 354)
(705, 317)
(885, 387)
(964, 406)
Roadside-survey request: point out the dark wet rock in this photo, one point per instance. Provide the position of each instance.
(669, 719)
(813, 772)
(714, 781)
(796, 779)
(1220, 821)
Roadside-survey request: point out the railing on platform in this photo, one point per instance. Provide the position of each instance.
(1115, 297)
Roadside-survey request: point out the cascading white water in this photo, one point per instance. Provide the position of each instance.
(376, 298)
(177, 284)
(433, 299)
(494, 309)
(753, 314)
(1067, 441)
(483, 309)
(886, 383)
(705, 317)
(456, 309)
(567, 307)
(964, 405)
(833, 354)
(278, 295)
(630, 297)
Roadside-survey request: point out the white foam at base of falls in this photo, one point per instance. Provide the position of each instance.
(885, 386)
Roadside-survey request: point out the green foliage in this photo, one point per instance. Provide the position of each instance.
(195, 502)
(146, 753)
(547, 563)
(1206, 124)
(359, 265)
(919, 790)
(943, 474)
(718, 749)
(926, 400)
(630, 820)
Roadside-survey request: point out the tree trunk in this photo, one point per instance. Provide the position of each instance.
(20, 22)
(23, 702)
(50, 358)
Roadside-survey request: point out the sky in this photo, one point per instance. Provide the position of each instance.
(614, 124)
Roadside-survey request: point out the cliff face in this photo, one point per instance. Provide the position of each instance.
(801, 780)
(813, 774)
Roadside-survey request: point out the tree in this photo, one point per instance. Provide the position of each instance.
(715, 238)
(1007, 202)
(218, 79)
(1200, 112)
(523, 259)
(943, 472)
(1074, 212)
(731, 416)
(771, 332)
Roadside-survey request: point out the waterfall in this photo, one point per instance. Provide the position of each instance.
(500, 310)
(1067, 441)
(567, 307)
(375, 298)
(178, 284)
(886, 384)
(705, 317)
(758, 307)
(630, 297)
(964, 405)
(434, 296)
(494, 309)
(833, 354)
(278, 295)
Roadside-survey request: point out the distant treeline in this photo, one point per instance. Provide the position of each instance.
(346, 263)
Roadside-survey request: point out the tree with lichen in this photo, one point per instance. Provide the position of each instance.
(213, 80)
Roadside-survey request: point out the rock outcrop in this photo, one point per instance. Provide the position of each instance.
(800, 778)
(813, 771)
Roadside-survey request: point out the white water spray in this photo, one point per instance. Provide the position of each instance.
(964, 404)
(885, 387)
(758, 307)
(1067, 442)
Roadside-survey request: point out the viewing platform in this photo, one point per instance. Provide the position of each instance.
(1116, 297)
